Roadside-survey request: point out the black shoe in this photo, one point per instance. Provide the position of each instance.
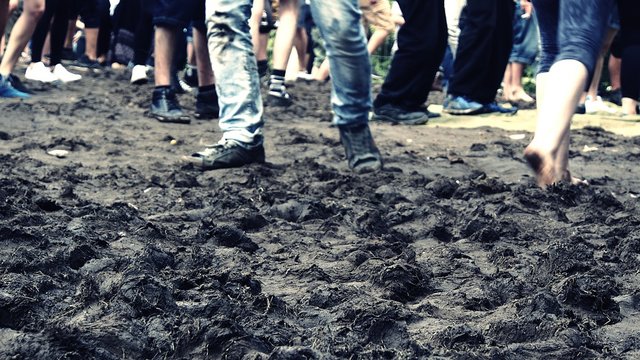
(396, 115)
(229, 154)
(279, 99)
(165, 107)
(207, 105)
(84, 62)
(362, 154)
(18, 85)
(581, 109)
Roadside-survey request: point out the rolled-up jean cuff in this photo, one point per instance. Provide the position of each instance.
(528, 60)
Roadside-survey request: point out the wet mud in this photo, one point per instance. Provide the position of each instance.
(119, 250)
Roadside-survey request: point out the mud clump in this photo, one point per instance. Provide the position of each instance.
(451, 252)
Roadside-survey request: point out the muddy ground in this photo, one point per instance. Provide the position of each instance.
(121, 251)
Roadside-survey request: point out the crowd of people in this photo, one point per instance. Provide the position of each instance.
(477, 51)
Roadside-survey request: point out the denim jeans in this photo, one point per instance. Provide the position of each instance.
(234, 64)
(340, 27)
(525, 38)
(237, 81)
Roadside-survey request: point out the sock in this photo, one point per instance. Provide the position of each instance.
(276, 84)
(166, 87)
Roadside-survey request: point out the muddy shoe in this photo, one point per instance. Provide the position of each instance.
(165, 107)
(362, 154)
(396, 115)
(228, 154)
(207, 104)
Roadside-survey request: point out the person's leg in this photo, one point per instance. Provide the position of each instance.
(21, 33)
(339, 24)
(593, 103)
(282, 44)
(421, 45)
(4, 16)
(300, 43)
(56, 40)
(238, 85)
(578, 36)
(142, 42)
(207, 98)
(165, 38)
(41, 30)
(630, 76)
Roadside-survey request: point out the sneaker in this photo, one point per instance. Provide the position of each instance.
(228, 154)
(613, 96)
(85, 63)
(580, 109)
(165, 107)
(207, 105)
(139, 75)
(278, 95)
(494, 107)
(461, 105)
(396, 115)
(597, 106)
(8, 91)
(279, 100)
(18, 85)
(362, 154)
(64, 75)
(39, 72)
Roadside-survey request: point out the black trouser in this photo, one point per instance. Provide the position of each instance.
(421, 44)
(143, 33)
(59, 11)
(630, 27)
(486, 37)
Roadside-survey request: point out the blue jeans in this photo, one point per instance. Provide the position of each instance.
(525, 38)
(237, 81)
(234, 65)
(340, 27)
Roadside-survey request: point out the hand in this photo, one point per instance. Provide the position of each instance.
(527, 8)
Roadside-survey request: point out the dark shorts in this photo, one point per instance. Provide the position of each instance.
(179, 14)
(91, 11)
(571, 30)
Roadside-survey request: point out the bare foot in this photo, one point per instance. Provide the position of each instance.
(573, 180)
(521, 96)
(542, 165)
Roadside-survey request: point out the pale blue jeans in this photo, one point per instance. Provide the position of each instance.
(237, 81)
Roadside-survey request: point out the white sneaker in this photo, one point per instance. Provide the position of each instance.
(139, 75)
(39, 72)
(597, 106)
(64, 75)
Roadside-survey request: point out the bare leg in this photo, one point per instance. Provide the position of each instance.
(548, 152)
(205, 70)
(376, 40)
(323, 71)
(517, 91)
(165, 40)
(597, 74)
(300, 42)
(506, 82)
(629, 106)
(614, 72)
(283, 41)
(21, 33)
(71, 30)
(254, 23)
(91, 40)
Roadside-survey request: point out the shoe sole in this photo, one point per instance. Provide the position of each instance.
(384, 118)
(277, 102)
(199, 163)
(162, 119)
(206, 116)
(463, 112)
(140, 81)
